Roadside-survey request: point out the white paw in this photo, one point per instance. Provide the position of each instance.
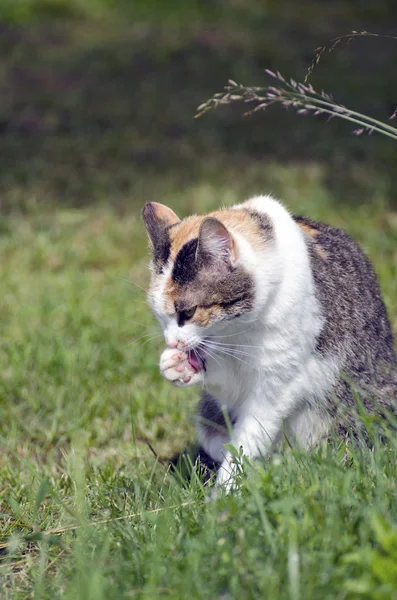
(175, 367)
(227, 476)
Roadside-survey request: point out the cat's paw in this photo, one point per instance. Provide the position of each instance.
(175, 366)
(226, 478)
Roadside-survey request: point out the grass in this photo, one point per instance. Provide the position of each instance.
(86, 511)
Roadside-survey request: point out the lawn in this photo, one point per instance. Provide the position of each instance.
(86, 509)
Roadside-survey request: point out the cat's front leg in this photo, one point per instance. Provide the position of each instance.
(175, 366)
(254, 436)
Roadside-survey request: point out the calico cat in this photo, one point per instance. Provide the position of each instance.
(274, 316)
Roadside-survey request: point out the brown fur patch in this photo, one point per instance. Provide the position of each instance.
(164, 213)
(238, 221)
(312, 233)
(203, 316)
(241, 223)
(322, 254)
(171, 293)
(185, 231)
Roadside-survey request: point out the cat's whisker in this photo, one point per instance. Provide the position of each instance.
(231, 350)
(133, 283)
(227, 353)
(236, 353)
(234, 334)
(232, 345)
(137, 323)
(138, 308)
(235, 357)
(136, 300)
(212, 356)
(158, 335)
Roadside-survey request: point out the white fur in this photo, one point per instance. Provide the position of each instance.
(275, 381)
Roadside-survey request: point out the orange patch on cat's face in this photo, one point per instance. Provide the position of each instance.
(206, 315)
(171, 294)
(241, 223)
(203, 316)
(184, 232)
(238, 221)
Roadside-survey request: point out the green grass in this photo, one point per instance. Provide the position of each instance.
(81, 399)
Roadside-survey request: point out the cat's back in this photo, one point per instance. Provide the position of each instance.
(347, 288)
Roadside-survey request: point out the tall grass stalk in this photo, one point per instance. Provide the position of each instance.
(301, 96)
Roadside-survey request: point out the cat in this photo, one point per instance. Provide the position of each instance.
(273, 316)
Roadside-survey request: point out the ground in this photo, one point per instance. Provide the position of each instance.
(83, 406)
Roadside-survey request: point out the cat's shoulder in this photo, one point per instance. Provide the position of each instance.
(328, 242)
(315, 229)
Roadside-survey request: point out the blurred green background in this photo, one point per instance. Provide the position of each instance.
(97, 97)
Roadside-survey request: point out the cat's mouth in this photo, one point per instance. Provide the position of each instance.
(196, 359)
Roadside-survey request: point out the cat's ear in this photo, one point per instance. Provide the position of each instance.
(216, 243)
(158, 218)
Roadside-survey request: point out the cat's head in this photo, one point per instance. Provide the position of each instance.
(203, 270)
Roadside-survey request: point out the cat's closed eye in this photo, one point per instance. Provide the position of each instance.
(185, 315)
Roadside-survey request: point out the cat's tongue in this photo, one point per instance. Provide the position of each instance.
(195, 360)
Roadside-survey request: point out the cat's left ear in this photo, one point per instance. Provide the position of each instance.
(216, 243)
(158, 218)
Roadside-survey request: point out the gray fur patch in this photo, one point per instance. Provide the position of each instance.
(263, 222)
(356, 322)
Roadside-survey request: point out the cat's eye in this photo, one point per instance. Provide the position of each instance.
(189, 313)
(185, 315)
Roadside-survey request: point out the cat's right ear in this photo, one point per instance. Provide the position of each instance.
(158, 218)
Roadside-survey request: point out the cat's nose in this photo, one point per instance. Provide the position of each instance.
(180, 345)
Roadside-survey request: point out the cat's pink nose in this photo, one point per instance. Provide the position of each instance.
(180, 345)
